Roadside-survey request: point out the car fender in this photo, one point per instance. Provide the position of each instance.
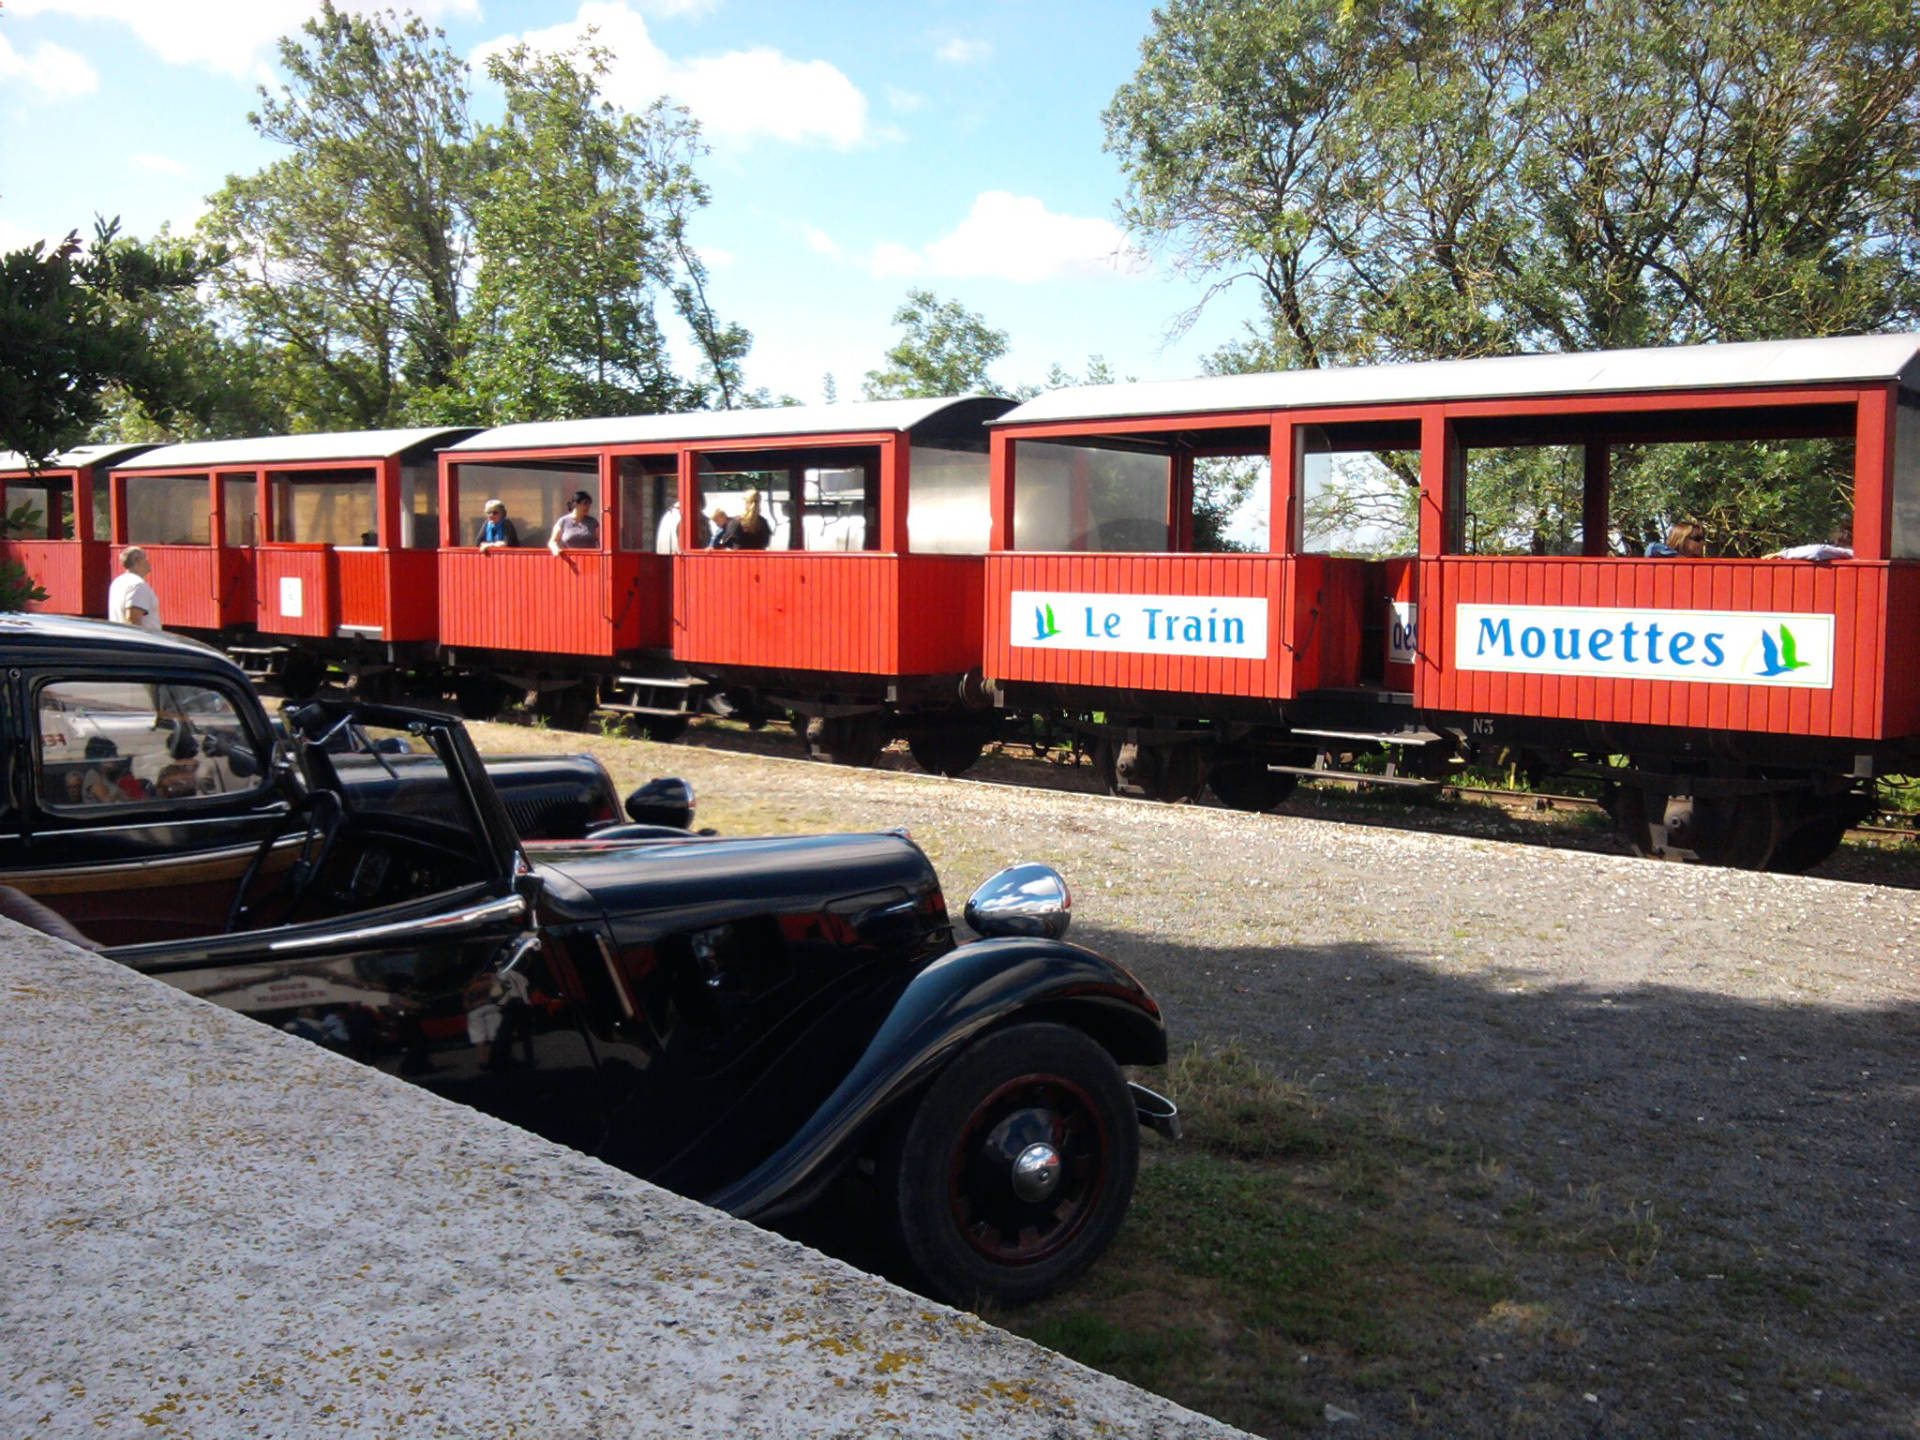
(964, 994)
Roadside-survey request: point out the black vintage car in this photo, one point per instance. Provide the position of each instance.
(741, 1020)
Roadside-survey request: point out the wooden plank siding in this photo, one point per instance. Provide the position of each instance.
(72, 572)
(297, 590)
(858, 612)
(200, 587)
(1856, 594)
(365, 578)
(582, 602)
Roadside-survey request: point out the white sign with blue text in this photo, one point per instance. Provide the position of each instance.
(1234, 629)
(1732, 647)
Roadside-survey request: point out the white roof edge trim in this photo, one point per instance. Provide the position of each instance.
(1748, 364)
(78, 458)
(860, 416)
(345, 446)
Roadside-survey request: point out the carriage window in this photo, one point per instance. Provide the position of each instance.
(811, 499)
(949, 505)
(419, 508)
(113, 742)
(649, 503)
(45, 508)
(324, 507)
(1089, 498)
(535, 493)
(1906, 479)
(240, 505)
(168, 510)
(1525, 499)
(1359, 489)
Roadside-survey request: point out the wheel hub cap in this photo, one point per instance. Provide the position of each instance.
(1036, 1172)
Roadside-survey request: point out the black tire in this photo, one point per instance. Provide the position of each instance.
(1249, 785)
(848, 739)
(1034, 1092)
(946, 752)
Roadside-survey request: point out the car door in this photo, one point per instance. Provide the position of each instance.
(141, 800)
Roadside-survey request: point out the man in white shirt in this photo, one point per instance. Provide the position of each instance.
(130, 600)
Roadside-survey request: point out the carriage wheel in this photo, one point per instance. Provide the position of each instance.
(950, 751)
(848, 739)
(1242, 784)
(568, 707)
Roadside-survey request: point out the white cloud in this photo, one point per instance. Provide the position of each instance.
(235, 37)
(715, 258)
(958, 50)
(738, 97)
(821, 243)
(1014, 237)
(904, 102)
(54, 72)
(159, 164)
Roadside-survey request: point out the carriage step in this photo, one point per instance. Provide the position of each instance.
(655, 695)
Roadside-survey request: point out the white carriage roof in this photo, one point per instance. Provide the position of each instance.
(861, 417)
(77, 458)
(290, 449)
(1858, 358)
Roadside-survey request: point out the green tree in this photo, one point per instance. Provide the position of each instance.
(581, 222)
(75, 322)
(944, 349)
(354, 248)
(1408, 181)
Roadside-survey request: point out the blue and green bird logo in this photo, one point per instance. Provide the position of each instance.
(1044, 627)
(1781, 656)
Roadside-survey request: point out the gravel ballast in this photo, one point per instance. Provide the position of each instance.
(1721, 1062)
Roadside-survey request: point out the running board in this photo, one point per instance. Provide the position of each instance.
(1360, 777)
(1377, 737)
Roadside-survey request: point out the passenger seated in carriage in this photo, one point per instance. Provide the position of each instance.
(1685, 541)
(1838, 546)
(749, 532)
(577, 529)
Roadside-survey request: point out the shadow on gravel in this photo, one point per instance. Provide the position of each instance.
(1707, 1206)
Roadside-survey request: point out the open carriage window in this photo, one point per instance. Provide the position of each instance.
(113, 742)
(1755, 479)
(809, 499)
(43, 507)
(649, 503)
(535, 493)
(1359, 489)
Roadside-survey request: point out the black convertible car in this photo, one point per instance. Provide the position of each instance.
(741, 1020)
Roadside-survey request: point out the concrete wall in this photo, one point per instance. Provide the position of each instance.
(212, 1228)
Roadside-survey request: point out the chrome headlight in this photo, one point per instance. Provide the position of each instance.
(1024, 899)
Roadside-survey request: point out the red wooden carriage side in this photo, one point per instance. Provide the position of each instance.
(67, 555)
(868, 618)
(318, 593)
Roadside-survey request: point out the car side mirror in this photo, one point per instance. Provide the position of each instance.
(665, 801)
(1027, 899)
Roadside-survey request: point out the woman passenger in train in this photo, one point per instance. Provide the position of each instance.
(1685, 541)
(747, 531)
(498, 533)
(577, 529)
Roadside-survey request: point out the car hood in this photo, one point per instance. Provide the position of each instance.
(665, 883)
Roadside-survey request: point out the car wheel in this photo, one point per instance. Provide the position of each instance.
(1017, 1166)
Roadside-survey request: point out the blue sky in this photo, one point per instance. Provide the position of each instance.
(858, 149)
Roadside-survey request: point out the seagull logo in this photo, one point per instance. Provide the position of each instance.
(1044, 627)
(1779, 657)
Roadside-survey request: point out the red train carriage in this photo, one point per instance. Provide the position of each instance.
(293, 550)
(65, 548)
(1738, 708)
(861, 613)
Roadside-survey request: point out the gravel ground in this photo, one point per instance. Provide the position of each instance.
(1718, 1067)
